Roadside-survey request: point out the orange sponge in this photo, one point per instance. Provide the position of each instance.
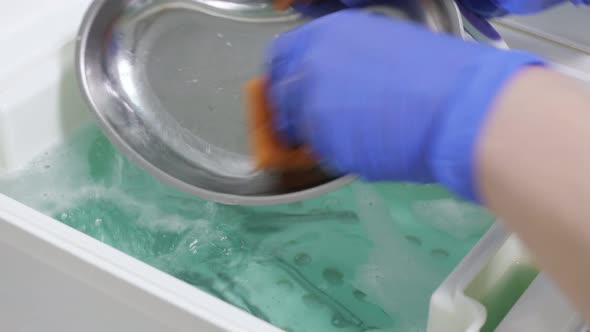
(282, 4)
(269, 151)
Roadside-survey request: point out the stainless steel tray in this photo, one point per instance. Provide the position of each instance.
(164, 79)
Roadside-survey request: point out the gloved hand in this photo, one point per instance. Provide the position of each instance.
(385, 99)
(496, 8)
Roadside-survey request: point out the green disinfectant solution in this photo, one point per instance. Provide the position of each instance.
(364, 258)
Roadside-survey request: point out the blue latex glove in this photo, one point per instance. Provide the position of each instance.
(496, 8)
(385, 99)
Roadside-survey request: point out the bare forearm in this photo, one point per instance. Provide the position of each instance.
(534, 173)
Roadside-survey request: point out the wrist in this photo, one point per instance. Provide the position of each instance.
(454, 144)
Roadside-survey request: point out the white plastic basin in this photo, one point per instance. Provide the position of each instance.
(58, 279)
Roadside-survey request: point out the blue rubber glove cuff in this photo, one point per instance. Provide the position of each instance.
(453, 160)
